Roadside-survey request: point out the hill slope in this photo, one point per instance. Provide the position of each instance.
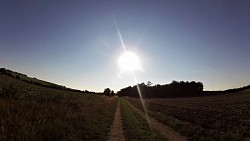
(35, 81)
(32, 112)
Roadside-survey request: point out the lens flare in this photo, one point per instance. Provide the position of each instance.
(129, 61)
(142, 101)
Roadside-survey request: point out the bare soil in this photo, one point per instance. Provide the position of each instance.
(117, 133)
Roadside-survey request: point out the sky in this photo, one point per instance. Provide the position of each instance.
(75, 43)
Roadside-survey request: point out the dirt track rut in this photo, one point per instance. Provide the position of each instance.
(117, 133)
(164, 130)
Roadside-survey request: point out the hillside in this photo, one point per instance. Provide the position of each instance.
(32, 112)
(35, 81)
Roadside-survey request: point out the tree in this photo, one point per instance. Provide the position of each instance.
(112, 93)
(107, 91)
(149, 83)
(3, 70)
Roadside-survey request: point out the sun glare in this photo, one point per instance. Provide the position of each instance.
(129, 62)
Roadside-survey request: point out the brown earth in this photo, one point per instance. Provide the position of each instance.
(117, 133)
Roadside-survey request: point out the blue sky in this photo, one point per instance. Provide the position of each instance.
(75, 43)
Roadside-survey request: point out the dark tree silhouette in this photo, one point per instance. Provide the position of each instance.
(149, 83)
(107, 91)
(18, 77)
(175, 89)
(112, 93)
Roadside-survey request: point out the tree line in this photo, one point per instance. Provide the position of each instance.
(174, 89)
(235, 90)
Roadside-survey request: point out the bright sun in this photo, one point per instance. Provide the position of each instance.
(129, 61)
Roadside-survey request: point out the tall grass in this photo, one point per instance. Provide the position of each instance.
(39, 113)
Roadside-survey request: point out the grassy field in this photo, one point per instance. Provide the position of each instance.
(30, 112)
(221, 117)
(135, 126)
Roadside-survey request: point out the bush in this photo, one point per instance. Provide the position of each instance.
(8, 92)
(18, 77)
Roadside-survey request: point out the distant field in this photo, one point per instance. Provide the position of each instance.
(221, 117)
(30, 112)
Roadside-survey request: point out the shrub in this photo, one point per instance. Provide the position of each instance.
(8, 92)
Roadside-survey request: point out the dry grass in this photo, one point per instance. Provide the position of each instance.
(38, 113)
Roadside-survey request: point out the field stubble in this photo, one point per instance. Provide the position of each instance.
(221, 117)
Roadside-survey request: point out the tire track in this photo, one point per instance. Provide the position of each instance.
(117, 133)
(164, 130)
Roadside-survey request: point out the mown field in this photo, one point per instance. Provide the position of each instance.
(222, 117)
(30, 112)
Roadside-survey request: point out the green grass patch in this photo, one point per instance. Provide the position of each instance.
(135, 126)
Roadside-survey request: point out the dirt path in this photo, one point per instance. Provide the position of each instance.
(164, 130)
(117, 133)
